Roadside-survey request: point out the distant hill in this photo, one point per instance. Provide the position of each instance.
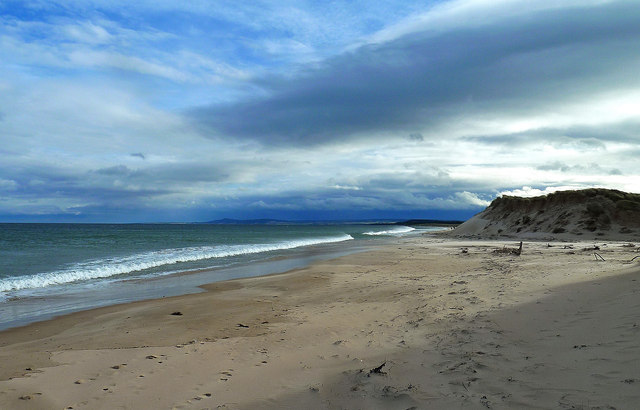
(418, 222)
(410, 222)
(588, 213)
(227, 221)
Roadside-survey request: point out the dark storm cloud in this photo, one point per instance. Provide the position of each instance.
(512, 66)
(47, 182)
(380, 192)
(583, 138)
(111, 185)
(555, 166)
(167, 174)
(118, 170)
(587, 169)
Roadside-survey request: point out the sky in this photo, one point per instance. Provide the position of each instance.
(159, 111)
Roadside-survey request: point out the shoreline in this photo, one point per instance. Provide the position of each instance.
(26, 310)
(311, 336)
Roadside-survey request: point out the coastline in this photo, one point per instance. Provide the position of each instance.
(41, 306)
(447, 323)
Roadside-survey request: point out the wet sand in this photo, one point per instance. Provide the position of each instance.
(423, 322)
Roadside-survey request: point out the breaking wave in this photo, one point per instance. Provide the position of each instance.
(399, 230)
(104, 268)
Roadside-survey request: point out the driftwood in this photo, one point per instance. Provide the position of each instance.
(514, 251)
(378, 370)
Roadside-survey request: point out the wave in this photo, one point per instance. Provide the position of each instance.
(104, 268)
(399, 230)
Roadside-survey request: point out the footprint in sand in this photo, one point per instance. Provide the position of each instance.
(189, 402)
(29, 397)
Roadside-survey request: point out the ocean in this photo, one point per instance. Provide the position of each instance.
(51, 269)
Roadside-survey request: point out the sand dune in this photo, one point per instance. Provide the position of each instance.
(586, 214)
(457, 324)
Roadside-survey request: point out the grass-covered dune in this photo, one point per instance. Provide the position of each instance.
(595, 212)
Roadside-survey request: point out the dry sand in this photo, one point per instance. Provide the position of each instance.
(455, 324)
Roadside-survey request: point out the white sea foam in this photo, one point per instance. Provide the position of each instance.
(398, 230)
(105, 268)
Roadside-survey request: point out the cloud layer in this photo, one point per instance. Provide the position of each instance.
(172, 111)
(531, 69)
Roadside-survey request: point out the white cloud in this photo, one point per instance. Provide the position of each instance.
(454, 14)
(528, 192)
(87, 32)
(471, 199)
(101, 59)
(97, 46)
(346, 187)
(8, 185)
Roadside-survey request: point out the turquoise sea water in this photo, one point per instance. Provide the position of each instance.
(51, 269)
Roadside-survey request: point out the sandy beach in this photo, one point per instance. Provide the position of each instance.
(331, 205)
(425, 322)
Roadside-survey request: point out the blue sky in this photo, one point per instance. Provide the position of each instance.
(118, 111)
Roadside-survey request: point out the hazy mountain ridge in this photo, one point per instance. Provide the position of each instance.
(265, 221)
(409, 222)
